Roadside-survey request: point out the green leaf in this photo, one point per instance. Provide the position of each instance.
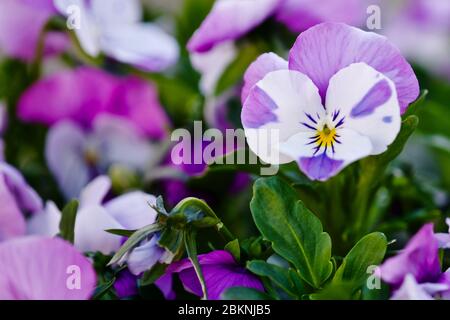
(134, 240)
(122, 233)
(103, 289)
(414, 107)
(372, 169)
(150, 276)
(369, 251)
(234, 248)
(280, 276)
(191, 250)
(67, 223)
(295, 232)
(242, 293)
(335, 291)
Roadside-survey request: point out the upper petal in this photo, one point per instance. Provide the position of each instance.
(38, 268)
(229, 20)
(299, 15)
(366, 101)
(324, 49)
(265, 63)
(116, 11)
(144, 45)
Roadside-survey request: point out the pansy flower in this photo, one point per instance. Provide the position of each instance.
(75, 156)
(130, 211)
(338, 99)
(297, 15)
(220, 272)
(416, 271)
(83, 93)
(115, 28)
(40, 268)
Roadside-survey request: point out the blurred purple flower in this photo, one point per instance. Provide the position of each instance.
(82, 94)
(297, 15)
(220, 271)
(115, 28)
(421, 29)
(17, 198)
(348, 99)
(21, 23)
(416, 270)
(76, 156)
(130, 211)
(39, 268)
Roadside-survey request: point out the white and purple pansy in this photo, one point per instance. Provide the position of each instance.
(338, 99)
(114, 27)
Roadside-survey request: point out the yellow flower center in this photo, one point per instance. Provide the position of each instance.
(326, 137)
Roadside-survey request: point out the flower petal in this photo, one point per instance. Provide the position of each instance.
(323, 50)
(137, 100)
(65, 158)
(21, 23)
(88, 32)
(36, 268)
(132, 210)
(279, 106)
(26, 197)
(144, 257)
(299, 15)
(411, 290)
(90, 234)
(12, 221)
(420, 258)
(216, 28)
(116, 11)
(265, 63)
(94, 193)
(368, 101)
(45, 223)
(144, 45)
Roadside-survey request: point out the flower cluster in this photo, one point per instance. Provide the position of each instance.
(96, 94)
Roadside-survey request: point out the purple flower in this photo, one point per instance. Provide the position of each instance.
(425, 22)
(39, 268)
(416, 272)
(21, 22)
(75, 156)
(220, 271)
(130, 211)
(17, 198)
(52, 99)
(126, 285)
(115, 28)
(297, 15)
(338, 99)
